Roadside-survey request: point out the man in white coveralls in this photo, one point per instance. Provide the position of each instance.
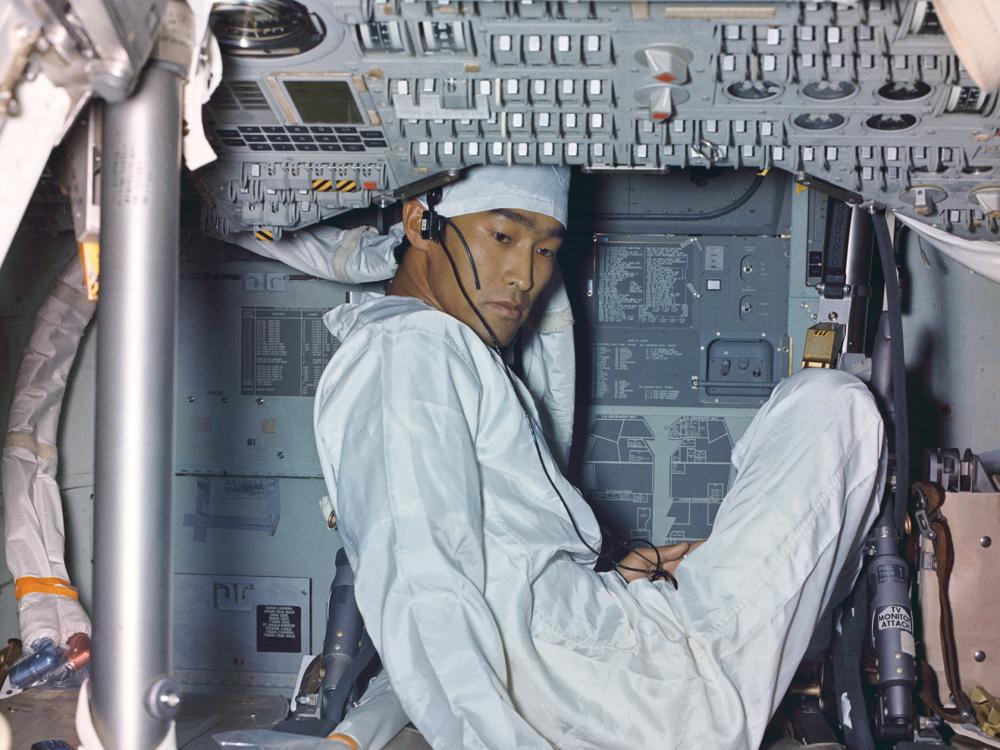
(474, 557)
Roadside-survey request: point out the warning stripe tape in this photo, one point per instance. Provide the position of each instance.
(347, 186)
(346, 739)
(55, 586)
(264, 234)
(322, 186)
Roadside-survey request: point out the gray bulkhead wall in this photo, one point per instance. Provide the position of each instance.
(951, 327)
(250, 544)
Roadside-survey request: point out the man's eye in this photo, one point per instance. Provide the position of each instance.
(502, 238)
(546, 252)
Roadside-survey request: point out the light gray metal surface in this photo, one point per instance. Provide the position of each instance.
(869, 97)
(86, 46)
(38, 715)
(254, 348)
(134, 466)
(237, 536)
(54, 57)
(240, 630)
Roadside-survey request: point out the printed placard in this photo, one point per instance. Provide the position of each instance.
(279, 628)
(894, 617)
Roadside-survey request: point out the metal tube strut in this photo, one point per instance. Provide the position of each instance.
(133, 699)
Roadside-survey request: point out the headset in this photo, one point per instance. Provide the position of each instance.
(433, 226)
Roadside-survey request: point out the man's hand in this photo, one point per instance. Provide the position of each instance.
(641, 562)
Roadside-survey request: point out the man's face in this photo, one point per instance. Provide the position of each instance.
(515, 254)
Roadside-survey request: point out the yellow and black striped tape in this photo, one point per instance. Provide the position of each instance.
(322, 186)
(347, 186)
(264, 234)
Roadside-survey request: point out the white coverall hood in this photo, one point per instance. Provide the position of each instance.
(544, 190)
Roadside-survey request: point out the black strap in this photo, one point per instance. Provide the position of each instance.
(848, 653)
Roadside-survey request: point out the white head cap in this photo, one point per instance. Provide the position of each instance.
(544, 190)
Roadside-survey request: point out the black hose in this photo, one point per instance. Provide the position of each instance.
(848, 664)
(848, 648)
(706, 216)
(900, 425)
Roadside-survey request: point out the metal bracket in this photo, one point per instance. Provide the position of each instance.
(828, 188)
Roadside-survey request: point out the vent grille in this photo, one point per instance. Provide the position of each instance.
(240, 96)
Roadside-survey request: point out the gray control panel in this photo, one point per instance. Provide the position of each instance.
(329, 106)
(683, 334)
(684, 321)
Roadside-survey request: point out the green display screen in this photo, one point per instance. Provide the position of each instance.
(324, 102)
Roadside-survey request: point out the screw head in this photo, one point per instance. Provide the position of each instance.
(979, 656)
(985, 542)
(164, 698)
(260, 402)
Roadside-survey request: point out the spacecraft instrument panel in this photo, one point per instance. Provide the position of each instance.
(329, 106)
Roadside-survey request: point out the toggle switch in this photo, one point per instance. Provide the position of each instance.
(668, 63)
(661, 99)
(661, 105)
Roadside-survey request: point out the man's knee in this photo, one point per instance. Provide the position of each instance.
(815, 389)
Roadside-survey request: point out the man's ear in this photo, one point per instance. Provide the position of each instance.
(413, 210)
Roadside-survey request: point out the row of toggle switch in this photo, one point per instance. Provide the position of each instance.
(548, 49)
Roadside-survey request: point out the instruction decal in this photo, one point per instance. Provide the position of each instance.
(279, 628)
(894, 617)
(283, 350)
(891, 573)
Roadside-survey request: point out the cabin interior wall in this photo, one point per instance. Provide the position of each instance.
(952, 328)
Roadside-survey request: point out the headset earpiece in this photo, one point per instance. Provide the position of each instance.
(432, 225)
